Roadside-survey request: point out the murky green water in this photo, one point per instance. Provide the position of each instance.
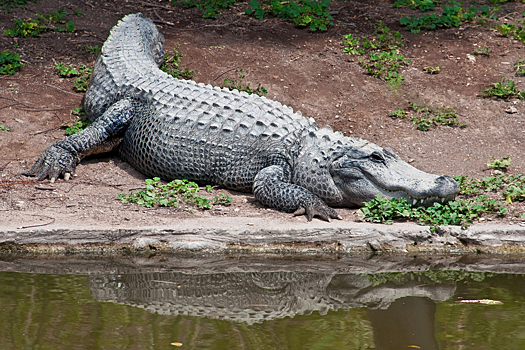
(285, 308)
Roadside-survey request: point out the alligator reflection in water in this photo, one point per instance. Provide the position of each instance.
(257, 296)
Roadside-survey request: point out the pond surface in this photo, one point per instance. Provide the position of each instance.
(260, 305)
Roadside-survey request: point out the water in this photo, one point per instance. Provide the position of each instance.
(379, 303)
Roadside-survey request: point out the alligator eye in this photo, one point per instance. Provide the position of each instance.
(377, 157)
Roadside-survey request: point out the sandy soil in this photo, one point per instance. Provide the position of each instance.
(305, 70)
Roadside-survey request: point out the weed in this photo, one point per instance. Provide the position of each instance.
(4, 128)
(520, 67)
(82, 82)
(171, 194)
(380, 53)
(432, 70)
(304, 13)
(7, 5)
(516, 30)
(482, 51)
(78, 125)
(66, 72)
(210, 8)
(422, 5)
(9, 63)
(233, 84)
(29, 28)
(78, 12)
(93, 49)
(425, 118)
(452, 15)
(36, 26)
(83, 74)
(499, 164)
(223, 199)
(171, 65)
(458, 212)
(503, 90)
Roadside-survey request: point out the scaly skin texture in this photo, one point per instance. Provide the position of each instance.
(177, 129)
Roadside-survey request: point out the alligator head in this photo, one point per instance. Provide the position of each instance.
(361, 173)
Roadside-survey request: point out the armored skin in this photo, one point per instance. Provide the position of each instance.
(177, 129)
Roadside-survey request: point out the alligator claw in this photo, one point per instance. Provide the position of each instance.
(319, 209)
(53, 163)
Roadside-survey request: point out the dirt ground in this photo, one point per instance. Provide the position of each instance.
(305, 70)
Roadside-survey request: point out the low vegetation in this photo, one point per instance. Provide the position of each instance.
(34, 27)
(78, 125)
(424, 118)
(3, 128)
(234, 84)
(304, 13)
(379, 53)
(453, 14)
(9, 63)
(171, 65)
(503, 90)
(480, 198)
(172, 194)
(82, 74)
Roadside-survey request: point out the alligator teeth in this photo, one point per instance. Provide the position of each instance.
(414, 202)
(442, 200)
(422, 201)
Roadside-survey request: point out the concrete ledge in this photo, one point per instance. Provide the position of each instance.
(257, 235)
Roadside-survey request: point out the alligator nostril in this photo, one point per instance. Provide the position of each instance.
(448, 181)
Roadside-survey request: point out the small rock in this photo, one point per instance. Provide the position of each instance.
(19, 205)
(511, 110)
(471, 58)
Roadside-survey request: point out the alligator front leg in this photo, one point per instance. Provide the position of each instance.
(272, 191)
(61, 158)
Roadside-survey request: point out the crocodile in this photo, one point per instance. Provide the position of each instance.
(173, 129)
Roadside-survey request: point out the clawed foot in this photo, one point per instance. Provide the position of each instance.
(53, 163)
(318, 208)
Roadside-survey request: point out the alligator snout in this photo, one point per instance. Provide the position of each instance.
(447, 186)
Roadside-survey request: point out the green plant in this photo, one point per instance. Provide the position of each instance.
(93, 49)
(82, 82)
(499, 164)
(422, 5)
(512, 187)
(7, 5)
(432, 70)
(482, 51)
(520, 67)
(452, 15)
(4, 128)
(516, 30)
(36, 26)
(29, 28)
(425, 118)
(380, 53)
(210, 8)
(171, 194)
(78, 125)
(304, 13)
(66, 72)
(171, 65)
(9, 63)
(233, 84)
(503, 90)
(255, 9)
(458, 212)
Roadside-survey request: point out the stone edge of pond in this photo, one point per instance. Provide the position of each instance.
(257, 235)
